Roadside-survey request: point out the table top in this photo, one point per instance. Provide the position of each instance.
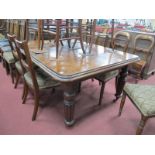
(73, 65)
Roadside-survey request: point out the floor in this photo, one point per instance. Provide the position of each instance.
(15, 118)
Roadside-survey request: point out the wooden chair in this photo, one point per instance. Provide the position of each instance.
(3, 42)
(88, 32)
(121, 40)
(143, 45)
(7, 55)
(69, 24)
(3, 27)
(16, 65)
(123, 45)
(35, 80)
(144, 103)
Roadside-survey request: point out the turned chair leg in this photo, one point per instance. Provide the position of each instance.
(74, 43)
(122, 103)
(11, 73)
(141, 125)
(17, 79)
(101, 93)
(36, 105)
(6, 65)
(25, 93)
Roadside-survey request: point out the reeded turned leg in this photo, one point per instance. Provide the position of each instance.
(121, 82)
(70, 90)
(141, 125)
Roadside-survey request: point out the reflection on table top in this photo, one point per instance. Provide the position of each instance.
(72, 64)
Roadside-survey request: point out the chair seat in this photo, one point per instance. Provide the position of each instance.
(18, 67)
(44, 81)
(4, 43)
(143, 96)
(138, 65)
(8, 57)
(107, 76)
(1, 36)
(6, 49)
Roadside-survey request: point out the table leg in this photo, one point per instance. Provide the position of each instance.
(70, 91)
(121, 82)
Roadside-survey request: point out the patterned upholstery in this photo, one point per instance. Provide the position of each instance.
(6, 49)
(107, 76)
(1, 36)
(8, 57)
(143, 96)
(18, 67)
(4, 43)
(44, 81)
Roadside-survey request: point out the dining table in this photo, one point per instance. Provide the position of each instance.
(73, 66)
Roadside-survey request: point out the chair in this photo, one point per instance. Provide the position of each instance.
(122, 44)
(35, 80)
(121, 40)
(69, 26)
(17, 66)
(143, 45)
(3, 41)
(7, 55)
(144, 103)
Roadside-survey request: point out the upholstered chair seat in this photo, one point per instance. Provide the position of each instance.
(6, 49)
(1, 36)
(108, 76)
(143, 97)
(8, 57)
(44, 81)
(4, 43)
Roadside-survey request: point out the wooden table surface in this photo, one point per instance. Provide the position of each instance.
(72, 67)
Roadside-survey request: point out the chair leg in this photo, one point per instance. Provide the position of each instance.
(122, 104)
(61, 43)
(11, 73)
(36, 105)
(141, 125)
(25, 94)
(74, 43)
(23, 91)
(6, 65)
(17, 79)
(101, 93)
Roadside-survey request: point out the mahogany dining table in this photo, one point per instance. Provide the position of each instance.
(72, 67)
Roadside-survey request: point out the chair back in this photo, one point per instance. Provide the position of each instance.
(121, 40)
(16, 28)
(143, 45)
(11, 28)
(26, 62)
(8, 26)
(22, 29)
(11, 39)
